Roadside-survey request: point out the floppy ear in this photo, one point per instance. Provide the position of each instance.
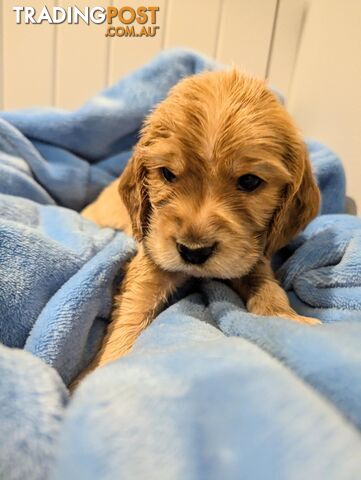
(134, 193)
(299, 204)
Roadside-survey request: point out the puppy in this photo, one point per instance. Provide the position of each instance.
(218, 182)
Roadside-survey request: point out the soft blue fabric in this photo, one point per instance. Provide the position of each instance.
(192, 403)
(209, 391)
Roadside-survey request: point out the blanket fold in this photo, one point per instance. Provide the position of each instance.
(209, 391)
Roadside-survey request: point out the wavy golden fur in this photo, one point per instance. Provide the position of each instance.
(212, 130)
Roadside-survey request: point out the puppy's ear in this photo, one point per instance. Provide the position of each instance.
(299, 203)
(134, 193)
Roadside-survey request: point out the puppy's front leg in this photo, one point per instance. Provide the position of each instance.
(263, 295)
(144, 292)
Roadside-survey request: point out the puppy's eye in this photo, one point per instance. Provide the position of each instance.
(249, 182)
(167, 174)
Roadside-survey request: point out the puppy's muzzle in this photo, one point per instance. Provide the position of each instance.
(196, 256)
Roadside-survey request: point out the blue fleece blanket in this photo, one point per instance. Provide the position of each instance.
(209, 391)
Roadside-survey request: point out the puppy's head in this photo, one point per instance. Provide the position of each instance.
(219, 177)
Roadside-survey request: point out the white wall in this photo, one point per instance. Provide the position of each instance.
(325, 96)
(63, 65)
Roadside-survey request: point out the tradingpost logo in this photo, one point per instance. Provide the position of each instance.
(121, 21)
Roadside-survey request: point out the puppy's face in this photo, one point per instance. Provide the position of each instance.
(210, 210)
(219, 178)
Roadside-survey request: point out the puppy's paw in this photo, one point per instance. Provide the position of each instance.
(300, 319)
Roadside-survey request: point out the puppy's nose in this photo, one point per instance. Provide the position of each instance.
(197, 256)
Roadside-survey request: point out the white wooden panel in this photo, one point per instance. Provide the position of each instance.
(193, 24)
(81, 58)
(28, 60)
(325, 96)
(287, 35)
(1, 54)
(127, 54)
(245, 33)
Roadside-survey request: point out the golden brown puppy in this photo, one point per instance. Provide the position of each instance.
(219, 181)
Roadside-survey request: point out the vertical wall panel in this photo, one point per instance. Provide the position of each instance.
(28, 60)
(127, 54)
(325, 95)
(287, 35)
(193, 24)
(81, 58)
(246, 32)
(1, 55)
